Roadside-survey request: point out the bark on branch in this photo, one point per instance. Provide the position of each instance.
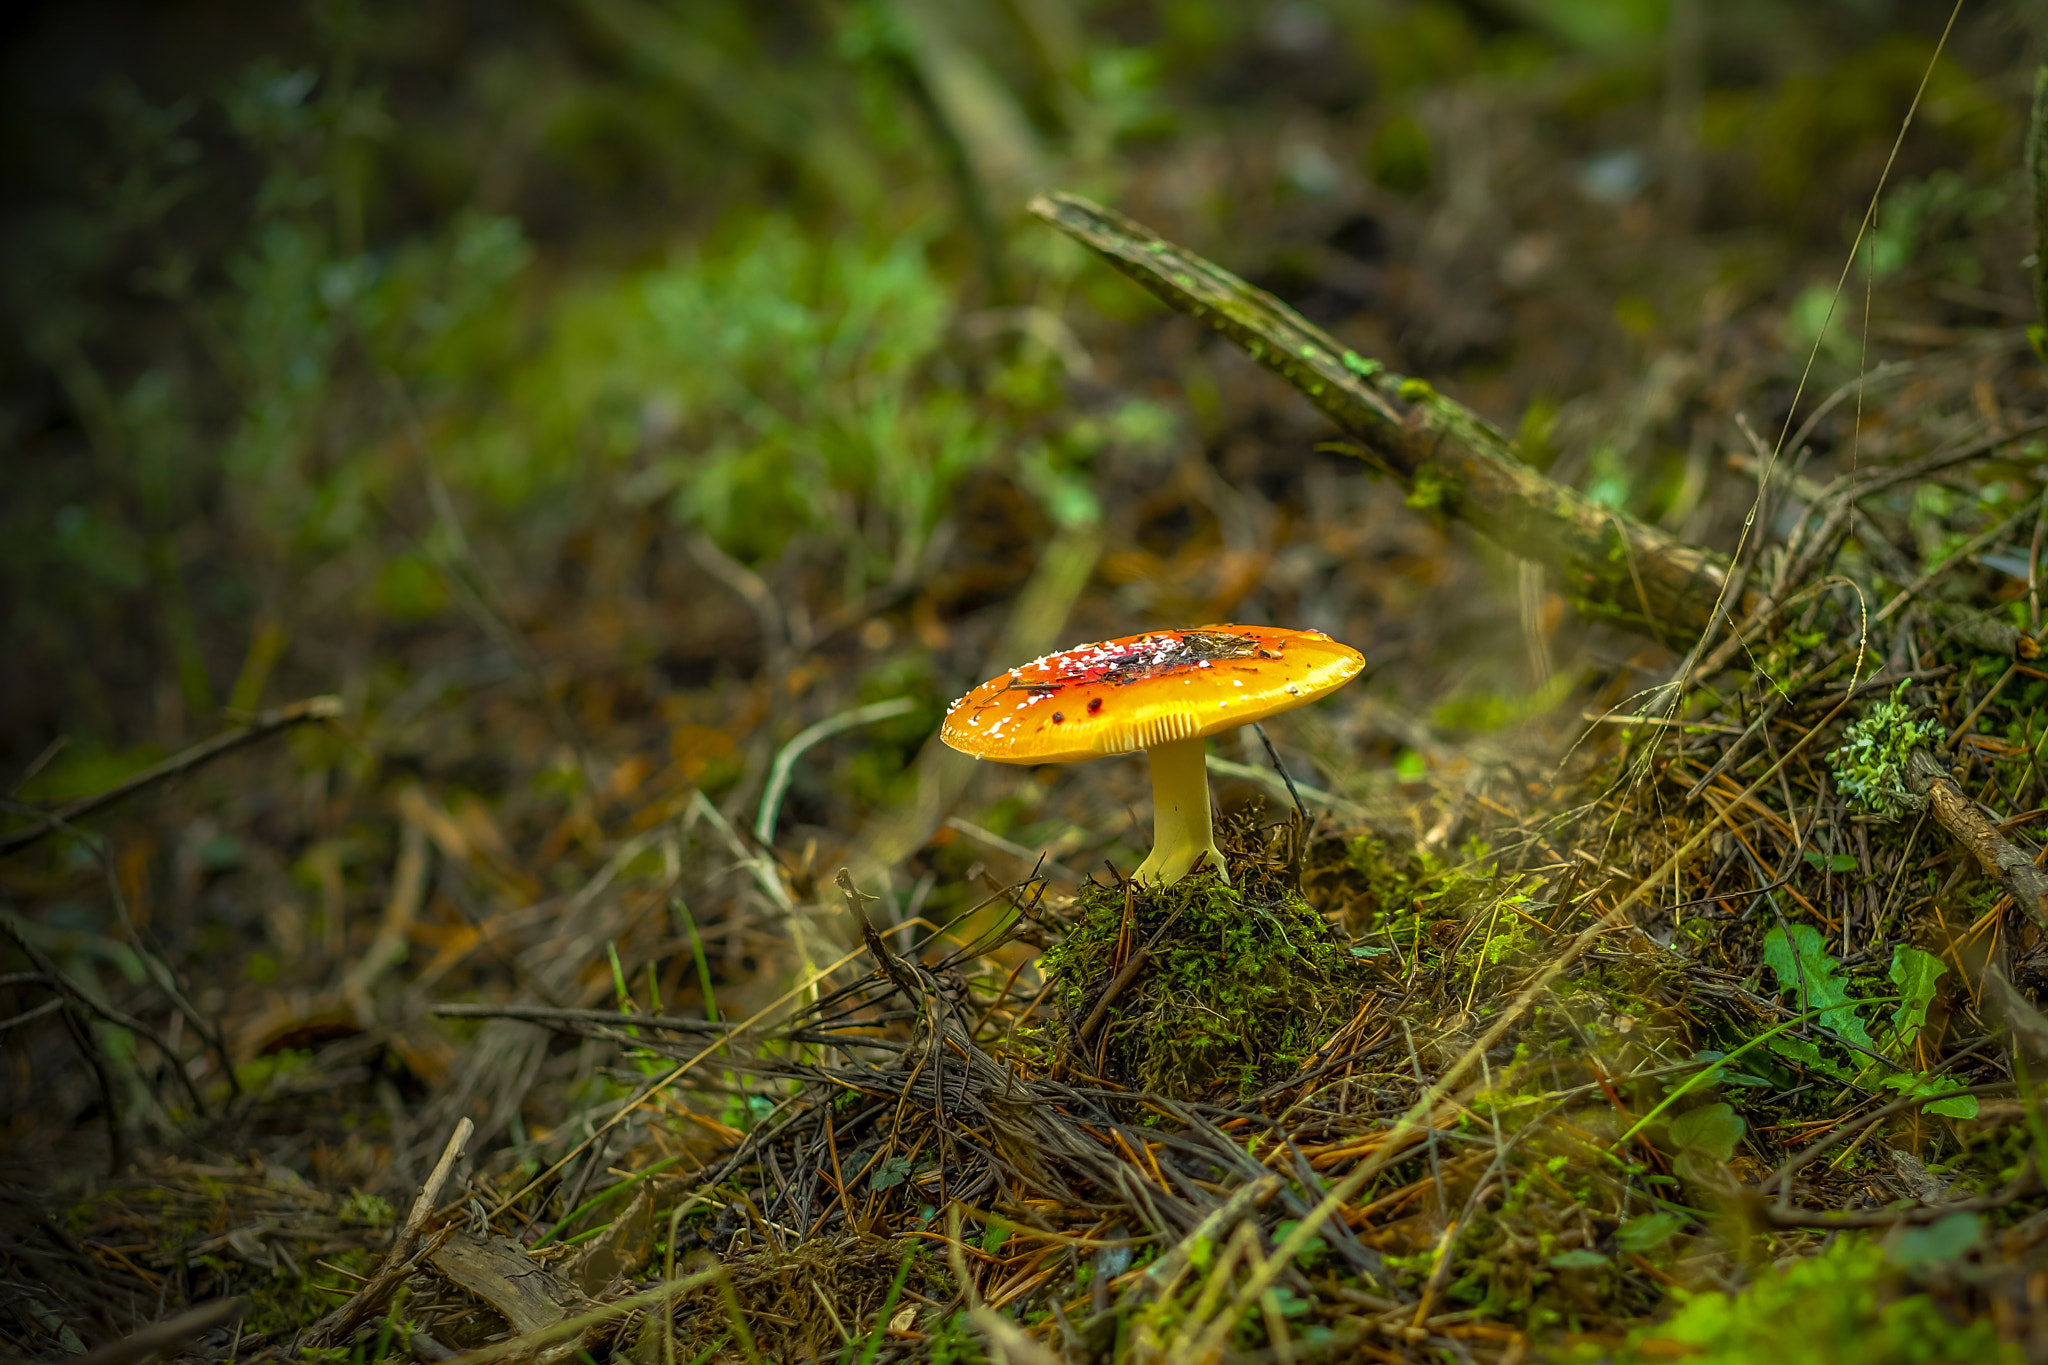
(2012, 866)
(1445, 455)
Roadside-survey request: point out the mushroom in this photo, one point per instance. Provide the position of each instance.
(1164, 691)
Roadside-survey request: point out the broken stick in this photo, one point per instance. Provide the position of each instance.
(338, 1327)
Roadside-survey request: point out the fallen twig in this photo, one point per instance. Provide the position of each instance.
(263, 726)
(81, 1000)
(2021, 1185)
(159, 1337)
(552, 1014)
(1782, 1177)
(339, 1326)
(1125, 975)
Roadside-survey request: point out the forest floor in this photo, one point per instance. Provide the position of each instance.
(607, 960)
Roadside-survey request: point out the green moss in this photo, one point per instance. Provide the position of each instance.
(1435, 488)
(288, 1299)
(1363, 879)
(1361, 366)
(1842, 1305)
(1242, 986)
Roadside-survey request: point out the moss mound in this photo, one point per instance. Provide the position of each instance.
(1237, 988)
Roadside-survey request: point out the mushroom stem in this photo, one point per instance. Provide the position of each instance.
(1182, 834)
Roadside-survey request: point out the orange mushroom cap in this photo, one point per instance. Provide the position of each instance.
(1132, 693)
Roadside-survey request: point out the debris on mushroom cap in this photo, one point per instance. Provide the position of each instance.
(1114, 697)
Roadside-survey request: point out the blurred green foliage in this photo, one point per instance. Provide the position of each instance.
(323, 389)
(1818, 118)
(788, 386)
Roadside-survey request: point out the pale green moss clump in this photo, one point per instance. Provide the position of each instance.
(1869, 766)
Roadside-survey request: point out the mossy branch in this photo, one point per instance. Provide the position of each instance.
(1613, 566)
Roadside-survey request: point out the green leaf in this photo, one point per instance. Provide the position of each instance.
(1938, 1242)
(1806, 1054)
(1648, 1231)
(1803, 966)
(1712, 1128)
(1917, 1084)
(1311, 1254)
(1839, 862)
(894, 1171)
(1915, 973)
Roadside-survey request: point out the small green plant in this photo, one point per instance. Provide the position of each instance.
(1713, 1130)
(1798, 957)
(1870, 762)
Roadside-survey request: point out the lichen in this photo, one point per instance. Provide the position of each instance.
(1869, 765)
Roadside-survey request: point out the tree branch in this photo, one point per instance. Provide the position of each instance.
(1446, 456)
(2013, 867)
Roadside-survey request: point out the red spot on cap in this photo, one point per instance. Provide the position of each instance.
(1094, 705)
